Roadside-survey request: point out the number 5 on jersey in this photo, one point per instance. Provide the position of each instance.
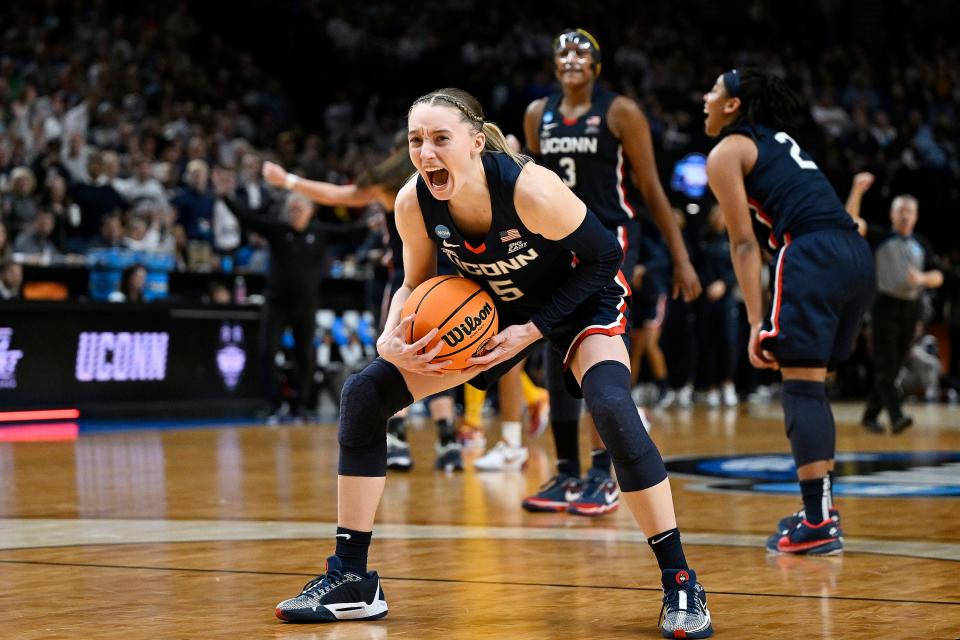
(505, 289)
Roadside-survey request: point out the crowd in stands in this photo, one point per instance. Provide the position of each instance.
(115, 116)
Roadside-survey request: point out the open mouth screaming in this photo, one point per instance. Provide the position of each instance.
(438, 177)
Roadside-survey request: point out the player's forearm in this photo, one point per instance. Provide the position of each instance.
(396, 308)
(324, 193)
(853, 203)
(747, 263)
(667, 223)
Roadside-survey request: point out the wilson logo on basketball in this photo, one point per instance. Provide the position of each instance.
(465, 329)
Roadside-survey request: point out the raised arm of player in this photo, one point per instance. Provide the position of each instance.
(630, 125)
(531, 125)
(326, 193)
(419, 264)
(729, 161)
(861, 183)
(548, 208)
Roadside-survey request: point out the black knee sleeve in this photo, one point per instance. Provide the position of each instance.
(368, 400)
(564, 407)
(808, 421)
(606, 389)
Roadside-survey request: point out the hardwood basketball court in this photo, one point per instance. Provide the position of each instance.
(199, 532)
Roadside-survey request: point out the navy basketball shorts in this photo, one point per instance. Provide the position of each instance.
(606, 312)
(823, 283)
(628, 237)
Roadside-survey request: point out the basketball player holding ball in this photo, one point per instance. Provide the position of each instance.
(514, 229)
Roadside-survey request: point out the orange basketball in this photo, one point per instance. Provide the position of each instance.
(463, 312)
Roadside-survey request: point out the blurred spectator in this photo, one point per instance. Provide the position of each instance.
(219, 294)
(194, 202)
(96, 201)
(5, 249)
(11, 280)
(77, 158)
(19, 207)
(132, 285)
(36, 240)
(142, 185)
(111, 233)
(251, 189)
(719, 316)
(66, 213)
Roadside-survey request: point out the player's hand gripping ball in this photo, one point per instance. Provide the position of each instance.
(460, 309)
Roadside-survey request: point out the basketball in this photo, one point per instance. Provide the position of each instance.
(463, 313)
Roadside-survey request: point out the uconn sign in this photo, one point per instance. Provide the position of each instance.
(105, 356)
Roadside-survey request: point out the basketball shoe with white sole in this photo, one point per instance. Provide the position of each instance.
(684, 613)
(398, 454)
(336, 595)
(502, 457)
(600, 496)
(555, 495)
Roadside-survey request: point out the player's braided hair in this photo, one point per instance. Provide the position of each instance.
(767, 100)
(471, 112)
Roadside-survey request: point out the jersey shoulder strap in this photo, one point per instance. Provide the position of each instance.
(551, 110)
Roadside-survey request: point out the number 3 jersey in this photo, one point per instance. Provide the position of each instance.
(589, 158)
(520, 269)
(786, 191)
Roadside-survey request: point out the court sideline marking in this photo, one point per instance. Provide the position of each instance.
(33, 533)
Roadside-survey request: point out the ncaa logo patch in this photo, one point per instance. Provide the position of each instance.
(882, 474)
(548, 116)
(442, 232)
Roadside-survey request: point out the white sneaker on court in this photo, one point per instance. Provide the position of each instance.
(502, 457)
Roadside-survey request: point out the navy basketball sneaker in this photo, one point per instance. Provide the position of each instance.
(684, 613)
(449, 457)
(807, 538)
(336, 595)
(791, 521)
(601, 495)
(555, 495)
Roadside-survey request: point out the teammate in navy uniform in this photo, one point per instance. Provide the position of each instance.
(596, 141)
(822, 280)
(513, 228)
(380, 185)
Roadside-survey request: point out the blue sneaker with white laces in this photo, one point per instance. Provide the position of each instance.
(336, 595)
(555, 495)
(684, 613)
(790, 522)
(601, 496)
(807, 538)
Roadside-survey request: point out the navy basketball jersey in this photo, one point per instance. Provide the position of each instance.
(787, 192)
(589, 158)
(520, 269)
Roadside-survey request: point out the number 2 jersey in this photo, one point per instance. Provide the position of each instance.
(520, 269)
(589, 158)
(786, 191)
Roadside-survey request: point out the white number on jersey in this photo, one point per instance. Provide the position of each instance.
(505, 290)
(570, 169)
(784, 138)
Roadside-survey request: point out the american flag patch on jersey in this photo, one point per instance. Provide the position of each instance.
(593, 121)
(509, 235)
